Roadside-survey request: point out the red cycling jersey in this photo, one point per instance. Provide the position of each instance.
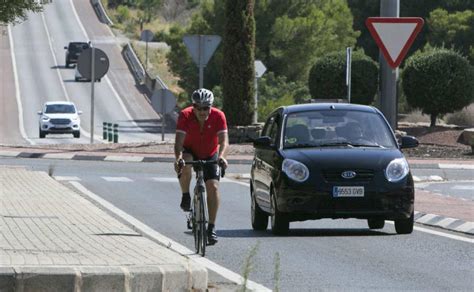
(202, 144)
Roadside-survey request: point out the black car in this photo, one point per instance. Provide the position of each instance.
(73, 50)
(324, 160)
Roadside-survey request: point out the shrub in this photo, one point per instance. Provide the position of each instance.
(438, 81)
(123, 14)
(327, 78)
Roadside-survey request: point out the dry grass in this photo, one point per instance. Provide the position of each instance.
(463, 118)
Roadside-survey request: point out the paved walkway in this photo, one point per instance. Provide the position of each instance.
(53, 239)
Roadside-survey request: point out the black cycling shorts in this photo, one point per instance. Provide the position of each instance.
(211, 171)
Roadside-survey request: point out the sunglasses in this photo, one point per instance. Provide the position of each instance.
(203, 108)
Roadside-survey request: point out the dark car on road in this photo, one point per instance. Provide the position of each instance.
(326, 160)
(73, 50)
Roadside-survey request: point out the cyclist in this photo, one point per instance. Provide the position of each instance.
(201, 134)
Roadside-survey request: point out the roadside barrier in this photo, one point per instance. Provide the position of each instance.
(110, 132)
(104, 131)
(115, 133)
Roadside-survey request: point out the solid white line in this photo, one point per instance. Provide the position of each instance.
(171, 244)
(67, 178)
(123, 158)
(87, 134)
(17, 89)
(119, 99)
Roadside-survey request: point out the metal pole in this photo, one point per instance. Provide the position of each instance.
(92, 93)
(388, 76)
(201, 66)
(163, 104)
(146, 56)
(255, 99)
(348, 72)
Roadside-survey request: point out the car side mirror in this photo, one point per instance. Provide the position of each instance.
(264, 142)
(409, 142)
(79, 112)
(40, 113)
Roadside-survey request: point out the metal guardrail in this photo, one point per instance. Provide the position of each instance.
(134, 63)
(101, 13)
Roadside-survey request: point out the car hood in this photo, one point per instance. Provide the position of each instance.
(61, 116)
(367, 158)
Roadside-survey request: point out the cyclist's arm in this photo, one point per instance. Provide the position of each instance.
(178, 144)
(223, 144)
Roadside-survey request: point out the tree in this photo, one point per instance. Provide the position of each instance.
(295, 33)
(16, 11)
(150, 8)
(238, 71)
(327, 78)
(452, 30)
(438, 81)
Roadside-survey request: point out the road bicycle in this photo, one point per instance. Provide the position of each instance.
(197, 218)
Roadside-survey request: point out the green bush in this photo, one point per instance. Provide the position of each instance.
(327, 78)
(123, 14)
(438, 81)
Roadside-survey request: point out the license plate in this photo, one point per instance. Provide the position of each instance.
(347, 192)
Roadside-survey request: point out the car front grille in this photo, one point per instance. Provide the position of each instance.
(335, 175)
(60, 121)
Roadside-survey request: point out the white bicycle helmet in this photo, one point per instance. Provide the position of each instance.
(203, 97)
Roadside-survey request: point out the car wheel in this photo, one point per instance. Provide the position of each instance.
(259, 218)
(376, 223)
(279, 221)
(42, 134)
(77, 134)
(67, 64)
(405, 226)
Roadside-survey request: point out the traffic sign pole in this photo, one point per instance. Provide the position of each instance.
(348, 72)
(92, 93)
(388, 77)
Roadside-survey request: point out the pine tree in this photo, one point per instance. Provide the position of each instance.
(238, 71)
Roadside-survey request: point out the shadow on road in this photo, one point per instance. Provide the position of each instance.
(242, 233)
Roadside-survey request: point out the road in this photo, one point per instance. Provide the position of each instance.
(36, 67)
(317, 255)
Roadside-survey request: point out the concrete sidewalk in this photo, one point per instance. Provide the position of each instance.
(53, 239)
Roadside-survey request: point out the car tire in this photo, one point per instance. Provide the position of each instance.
(42, 134)
(279, 221)
(405, 226)
(376, 223)
(76, 134)
(258, 217)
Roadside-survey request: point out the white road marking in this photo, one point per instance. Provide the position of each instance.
(165, 179)
(173, 245)
(117, 179)
(123, 158)
(67, 178)
(456, 166)
(467, 188)
(17, 89)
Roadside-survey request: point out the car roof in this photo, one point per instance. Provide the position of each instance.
(59, 102)
(326, 106)
(78, 43)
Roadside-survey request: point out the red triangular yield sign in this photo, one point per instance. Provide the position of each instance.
(394, 35)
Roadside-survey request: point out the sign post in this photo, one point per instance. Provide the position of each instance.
(201, 48)
(348, 72)
(163, 101)
(146, 36)
(93, 64)
(259, 71)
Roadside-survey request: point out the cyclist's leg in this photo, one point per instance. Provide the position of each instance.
(211, 177)
(185, 181)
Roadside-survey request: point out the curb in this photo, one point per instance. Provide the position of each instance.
(246, 159)
(60, 278)
(447, 223)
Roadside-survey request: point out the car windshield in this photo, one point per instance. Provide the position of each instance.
(78, 47)
(330, 128)
(60, 109)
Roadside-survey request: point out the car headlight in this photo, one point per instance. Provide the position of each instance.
(295, 170)
(396, 170)
(45, 118)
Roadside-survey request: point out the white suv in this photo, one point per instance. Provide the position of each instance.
(59, 117)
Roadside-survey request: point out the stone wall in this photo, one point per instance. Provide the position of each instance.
(244, 134)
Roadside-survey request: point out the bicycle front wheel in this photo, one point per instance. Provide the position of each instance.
(195, 223)
(202, 225)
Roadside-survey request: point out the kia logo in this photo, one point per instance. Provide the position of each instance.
(348, 174)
